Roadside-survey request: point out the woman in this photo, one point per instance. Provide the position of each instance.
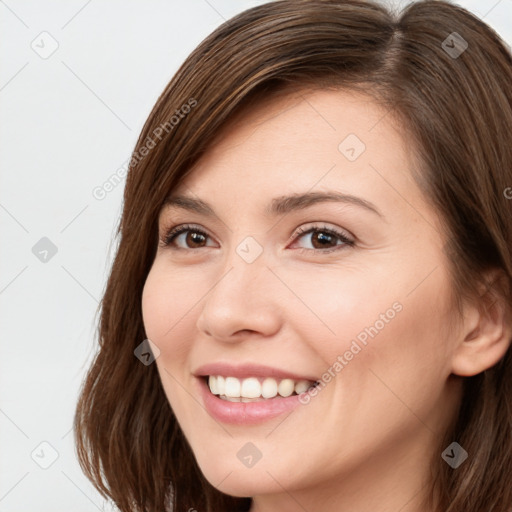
(309, 308)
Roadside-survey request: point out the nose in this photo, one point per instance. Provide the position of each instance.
(242, 302)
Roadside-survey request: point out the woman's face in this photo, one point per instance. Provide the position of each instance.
(311, 255)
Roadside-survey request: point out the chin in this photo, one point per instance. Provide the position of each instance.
(237, 481)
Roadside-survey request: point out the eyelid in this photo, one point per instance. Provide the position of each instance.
(175, 231)
(322, 226)
(347, 239)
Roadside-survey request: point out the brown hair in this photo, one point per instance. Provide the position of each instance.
(456, 108)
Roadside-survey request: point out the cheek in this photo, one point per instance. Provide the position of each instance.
(370, 325)
(164, 312)
(168, 321)
(169, 300)
(399, 374)
(338, 305)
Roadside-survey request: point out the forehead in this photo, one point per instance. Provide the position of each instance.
(312, 140)
(306, 127)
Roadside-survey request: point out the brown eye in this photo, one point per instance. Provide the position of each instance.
(323, 239)
(194, 239)
(186, 237)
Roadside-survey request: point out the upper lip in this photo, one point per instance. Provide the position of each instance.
(248, 370)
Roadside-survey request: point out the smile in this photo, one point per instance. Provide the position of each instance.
(255, 389)
(248, 393)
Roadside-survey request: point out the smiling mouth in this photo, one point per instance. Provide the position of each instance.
(255, 389)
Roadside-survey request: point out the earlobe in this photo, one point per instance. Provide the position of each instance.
(486, 333)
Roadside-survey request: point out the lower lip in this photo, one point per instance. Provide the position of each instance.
(245, 413)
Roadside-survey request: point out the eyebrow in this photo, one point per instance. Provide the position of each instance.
(279, 205)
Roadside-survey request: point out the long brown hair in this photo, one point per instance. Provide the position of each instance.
(439, 69)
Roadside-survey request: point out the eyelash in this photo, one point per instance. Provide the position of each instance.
(323, 229)
(173, 233)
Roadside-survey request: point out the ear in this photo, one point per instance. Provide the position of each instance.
(486, 333)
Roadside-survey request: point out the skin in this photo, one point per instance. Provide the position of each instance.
(364, 443)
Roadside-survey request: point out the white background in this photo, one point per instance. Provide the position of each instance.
(69, 121)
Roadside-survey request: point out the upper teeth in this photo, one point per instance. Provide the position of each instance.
(251, 387)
